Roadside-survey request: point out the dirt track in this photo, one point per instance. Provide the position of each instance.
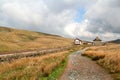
(82, 68)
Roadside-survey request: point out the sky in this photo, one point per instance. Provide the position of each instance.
(84, 19)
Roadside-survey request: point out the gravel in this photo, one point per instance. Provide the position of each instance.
(82, 68)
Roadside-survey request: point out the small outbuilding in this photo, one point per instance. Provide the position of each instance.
(97, 41)
(77, 41)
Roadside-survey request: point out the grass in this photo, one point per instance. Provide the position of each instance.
(46, 67)
(13, 40)
(56, 72)
(107, 56)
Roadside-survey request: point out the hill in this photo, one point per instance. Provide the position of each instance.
(117, 41)
(12, 40)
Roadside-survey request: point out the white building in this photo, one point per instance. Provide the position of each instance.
(77, 41)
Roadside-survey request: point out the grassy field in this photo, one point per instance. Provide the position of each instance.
(46, 67)
(12, 40)
(107, 56)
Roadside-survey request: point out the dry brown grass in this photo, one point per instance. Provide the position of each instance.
(31, 68)
(107, 56)
(95, 55)
(12, 40)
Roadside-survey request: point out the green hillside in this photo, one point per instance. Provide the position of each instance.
(12, 40)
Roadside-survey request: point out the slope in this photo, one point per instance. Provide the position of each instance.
(12, 40)
(117, 41)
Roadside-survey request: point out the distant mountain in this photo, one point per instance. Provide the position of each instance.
(117, 41)
(12, 40)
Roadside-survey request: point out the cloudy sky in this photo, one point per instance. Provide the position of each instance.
(85, 19)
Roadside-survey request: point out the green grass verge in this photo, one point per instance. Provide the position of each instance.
(56, 73)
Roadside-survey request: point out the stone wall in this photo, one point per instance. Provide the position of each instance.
(10, 57)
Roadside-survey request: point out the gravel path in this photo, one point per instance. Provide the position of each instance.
(82, 68)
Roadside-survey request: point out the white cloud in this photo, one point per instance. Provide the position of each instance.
(76, 29)
(104, 16)
(57, 17)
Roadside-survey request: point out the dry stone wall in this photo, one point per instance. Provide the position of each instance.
(10, 57)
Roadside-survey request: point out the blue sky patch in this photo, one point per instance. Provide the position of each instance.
(80, 15)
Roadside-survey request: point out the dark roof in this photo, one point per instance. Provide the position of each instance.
(97, 39)
(78, 39)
